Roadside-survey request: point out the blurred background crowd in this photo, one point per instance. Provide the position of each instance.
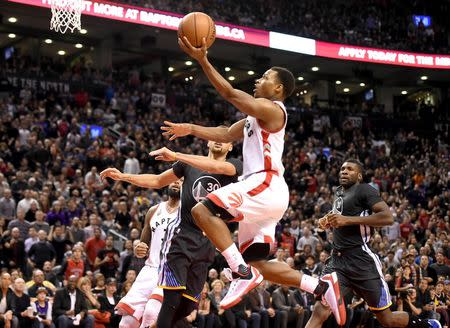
(63, 229)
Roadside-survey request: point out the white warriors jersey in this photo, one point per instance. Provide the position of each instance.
(263, 150)
(162, 225)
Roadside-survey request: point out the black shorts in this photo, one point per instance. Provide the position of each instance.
(359, 271)
(186, 267)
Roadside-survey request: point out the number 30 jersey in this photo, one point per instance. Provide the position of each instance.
(198, 184)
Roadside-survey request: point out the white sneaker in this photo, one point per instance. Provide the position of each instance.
(240, 285)
(334, 299)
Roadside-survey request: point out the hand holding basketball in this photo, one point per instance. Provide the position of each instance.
(176, 130)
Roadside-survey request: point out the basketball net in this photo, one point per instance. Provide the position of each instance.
(66, 15)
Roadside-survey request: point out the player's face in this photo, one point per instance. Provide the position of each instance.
(174, 189)
(219, 147)
(349, 174)
(266, 86)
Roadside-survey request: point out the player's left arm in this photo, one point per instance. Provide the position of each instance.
(200, 162)
(263, 109)
(381, 215)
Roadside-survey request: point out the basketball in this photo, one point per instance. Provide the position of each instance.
(196, 26)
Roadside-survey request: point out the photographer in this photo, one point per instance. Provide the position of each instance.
(408, 302)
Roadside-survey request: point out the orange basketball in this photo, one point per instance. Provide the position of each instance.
(195, 26)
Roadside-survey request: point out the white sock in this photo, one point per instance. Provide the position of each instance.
(308, 283)
(233, 257)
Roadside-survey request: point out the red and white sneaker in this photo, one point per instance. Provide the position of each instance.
(241, 284)
(334, 299)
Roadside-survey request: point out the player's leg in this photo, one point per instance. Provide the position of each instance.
(152, 308)
(387, 318)
(319, 315)
(132, 305)
(169, 308)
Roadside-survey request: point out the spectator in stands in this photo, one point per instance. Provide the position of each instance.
(226, 317)
(94, 245)
(58, 239)
(441, 302)
(307, 239)
(22, 305)
(57, 215)
(100, 284)
(49, 275)
(108, 301)
(25, 203)
(70, 308)
(7, 318)
(40, 224)
(39, 282)
(423, 271)
(423, 299)
(14, 250)
(107, 259)
(7, 205)
(41, 252)
(132, 164)
(292, 313)
(311, 267)
(21, 224)
(260, 302)
(94, 223)
(74, 265)
(127, 250)
(30, 215)
(43, 309)
(75, 232)
(440, 267)
(32, 239)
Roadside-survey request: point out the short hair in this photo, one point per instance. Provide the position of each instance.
(357, 162)
(286, 78)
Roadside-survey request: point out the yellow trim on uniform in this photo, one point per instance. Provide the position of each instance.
(189, 297)
(173, 288)
(380, 309)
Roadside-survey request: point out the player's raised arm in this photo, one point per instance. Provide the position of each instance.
(262, 108)
(218, 134)
(200, 162)
(153, 181)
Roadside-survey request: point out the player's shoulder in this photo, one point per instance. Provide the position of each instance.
(366, 188)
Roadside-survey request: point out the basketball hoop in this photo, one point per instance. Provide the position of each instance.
(66, 15)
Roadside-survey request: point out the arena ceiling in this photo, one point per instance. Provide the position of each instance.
(141, 45)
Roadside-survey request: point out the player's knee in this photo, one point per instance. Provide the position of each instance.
(129, 321)
(199, 212)
(385, 319)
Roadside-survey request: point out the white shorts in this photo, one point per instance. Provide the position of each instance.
(257, 203)
(133, 303)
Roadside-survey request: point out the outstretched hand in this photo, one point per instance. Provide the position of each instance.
(176, 130)
(112, 173)
(196, 53)
(164, 154)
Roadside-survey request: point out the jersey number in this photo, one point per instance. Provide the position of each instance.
(212, 186)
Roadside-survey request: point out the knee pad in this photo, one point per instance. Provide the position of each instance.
(128, 321)
(151, 312)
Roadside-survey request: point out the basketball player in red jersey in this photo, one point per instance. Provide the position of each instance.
(259, 200)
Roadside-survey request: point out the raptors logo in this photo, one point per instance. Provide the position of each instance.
(203, 186)
(235, 200)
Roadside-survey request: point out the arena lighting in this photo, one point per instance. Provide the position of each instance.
(188, 63)
(346, 89)
(314, 68)
(171, 69)
(338, 82)
(48, 41)
(300, 78)
(305, 91)
(11, 36)
(362, 84)
(61, 52)
(83, 31)
(12, 19)
(269, 39)
(191, 77)
(231, 78)
(404, 92)
(250, 73)
(227, 69)
(78, 46)
(186, 79)
(424, 77)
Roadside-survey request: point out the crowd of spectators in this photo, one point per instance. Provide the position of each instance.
(376, 23)
(59, 259)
